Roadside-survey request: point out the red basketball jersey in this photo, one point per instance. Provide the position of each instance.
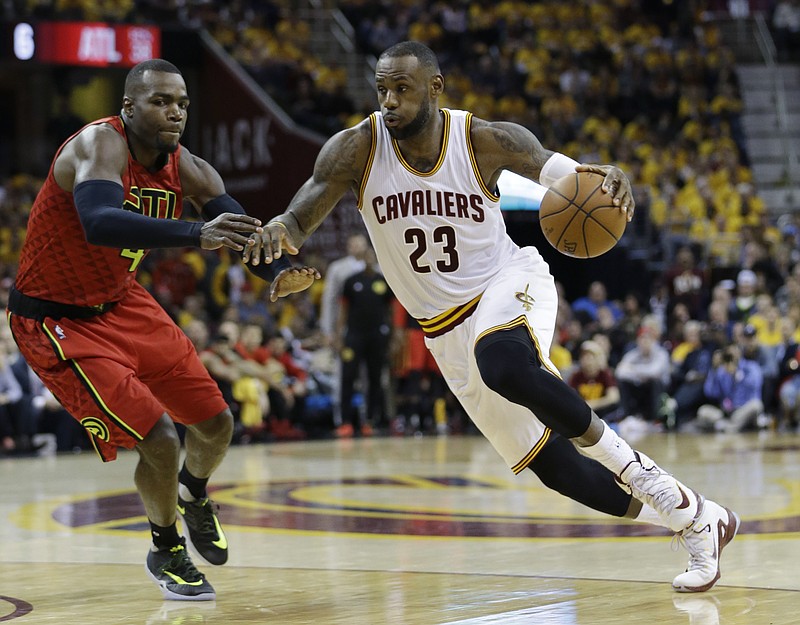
(58, 264)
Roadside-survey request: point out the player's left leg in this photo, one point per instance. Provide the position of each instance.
(206, 444)
(168, 564)
(175, 375)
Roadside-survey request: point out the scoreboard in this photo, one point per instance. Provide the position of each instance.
(93, 44)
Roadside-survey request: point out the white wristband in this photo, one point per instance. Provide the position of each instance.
(557, 166)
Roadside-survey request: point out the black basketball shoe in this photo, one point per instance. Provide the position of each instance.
(175, 573)
(203, 531)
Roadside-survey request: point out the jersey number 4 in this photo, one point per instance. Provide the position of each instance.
(135, 257)
(444, 239)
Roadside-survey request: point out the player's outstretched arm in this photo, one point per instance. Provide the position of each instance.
(227, 223)
(506, 145)
(205, 188)
(339, 167)
(91, 166)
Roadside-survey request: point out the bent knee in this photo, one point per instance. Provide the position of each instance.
(504, 365)
(161, 442)
(219, 427)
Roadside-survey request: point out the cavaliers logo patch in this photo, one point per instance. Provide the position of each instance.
(527, 300)
(96, 428)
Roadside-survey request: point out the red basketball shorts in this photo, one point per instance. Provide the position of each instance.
(119, 372)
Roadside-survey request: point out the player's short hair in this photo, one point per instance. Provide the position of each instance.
(135, 76)
(424, 55)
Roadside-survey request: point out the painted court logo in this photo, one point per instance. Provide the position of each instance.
(19, 607)
(373, 506)
(527, 300)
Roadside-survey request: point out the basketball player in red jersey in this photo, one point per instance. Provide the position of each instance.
(426, 180)
(101, 343)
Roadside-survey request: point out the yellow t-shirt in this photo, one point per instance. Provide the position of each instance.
(560, 357)
(766, 335)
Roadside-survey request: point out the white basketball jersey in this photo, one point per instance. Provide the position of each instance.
(439, 236)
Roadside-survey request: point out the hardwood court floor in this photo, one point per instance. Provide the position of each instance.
(432, 531)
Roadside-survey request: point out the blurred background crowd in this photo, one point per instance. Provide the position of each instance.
(709, 341)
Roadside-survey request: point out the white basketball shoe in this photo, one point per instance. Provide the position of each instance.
(677, 505)
(703, 527)
(704, 540)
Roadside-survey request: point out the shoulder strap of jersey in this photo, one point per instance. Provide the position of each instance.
(373, 126)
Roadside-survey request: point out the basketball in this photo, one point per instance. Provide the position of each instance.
(578, 218)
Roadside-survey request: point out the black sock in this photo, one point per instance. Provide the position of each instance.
(196, 485)
(164, 537)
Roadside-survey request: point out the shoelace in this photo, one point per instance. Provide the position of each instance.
(205, 517)
(697, 559)
(664, 500)
(181, 565)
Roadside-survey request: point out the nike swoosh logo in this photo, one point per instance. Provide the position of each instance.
(221, 542)
(685, 503)
(180, 580)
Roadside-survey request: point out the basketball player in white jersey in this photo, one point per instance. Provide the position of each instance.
(426, 182)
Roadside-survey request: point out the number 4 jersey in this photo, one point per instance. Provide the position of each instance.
(58, 264)
(439, 235)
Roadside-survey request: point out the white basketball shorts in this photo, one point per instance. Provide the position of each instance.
(522, 294)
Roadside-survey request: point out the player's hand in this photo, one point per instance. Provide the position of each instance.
(271, 241)
(616, 184)
(229, 230)
(292, 280)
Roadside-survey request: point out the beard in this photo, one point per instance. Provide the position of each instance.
(167, 148)
(414, 126)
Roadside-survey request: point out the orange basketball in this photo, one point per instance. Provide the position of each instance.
(578, 219)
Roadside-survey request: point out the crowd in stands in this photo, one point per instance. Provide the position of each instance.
(713, 346)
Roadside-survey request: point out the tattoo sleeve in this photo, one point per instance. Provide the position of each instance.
(338, 168)
(519, 149)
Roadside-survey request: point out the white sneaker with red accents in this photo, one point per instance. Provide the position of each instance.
(714, 528)
(676, 504)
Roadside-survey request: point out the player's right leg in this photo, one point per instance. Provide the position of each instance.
(703, 526)
(561, 467)
(509, 364)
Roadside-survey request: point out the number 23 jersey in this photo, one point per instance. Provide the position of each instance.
(439, 235)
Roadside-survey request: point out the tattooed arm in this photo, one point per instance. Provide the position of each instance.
(505, 145)
(339, 167)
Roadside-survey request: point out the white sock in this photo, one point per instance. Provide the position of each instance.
(650, 516)
(611, 451)
(185, 493)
